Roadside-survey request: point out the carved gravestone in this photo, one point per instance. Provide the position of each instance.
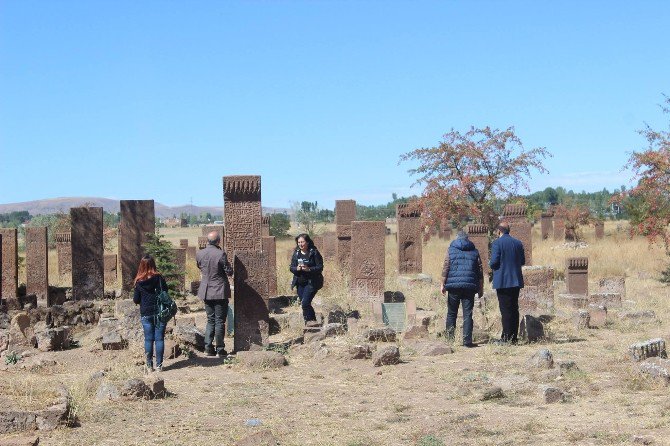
(87, 253)
(180, 260)
(409, 239)
(520, 228)
(546, 225)
(328, 248)
(252, 318)
(265, 226)
(559, 224)
(202, 242)
(270, 248)
(615, 284)
(242, 213)
(110, 261)
(479, 235)
(10, 262)
(37, 264)
(538, 291)
(137, 220)
(345, 213)
(190, 252)
(183, 243)
(64, 253)
(600, 230)
(577, 275)
(368, 259)
(445, 229)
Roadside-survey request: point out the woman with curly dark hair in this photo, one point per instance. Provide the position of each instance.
(307, 269)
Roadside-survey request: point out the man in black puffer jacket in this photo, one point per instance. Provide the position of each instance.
(462, 277)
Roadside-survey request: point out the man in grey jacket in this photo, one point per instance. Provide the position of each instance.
(214, 290)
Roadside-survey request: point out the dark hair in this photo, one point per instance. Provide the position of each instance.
(147, 268)
(310, 243)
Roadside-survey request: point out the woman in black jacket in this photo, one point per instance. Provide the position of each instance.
(148, 284)
(307, 269)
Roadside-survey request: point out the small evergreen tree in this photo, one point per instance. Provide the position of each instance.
(161, 251)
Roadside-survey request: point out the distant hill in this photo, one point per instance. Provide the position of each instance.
(55, 205)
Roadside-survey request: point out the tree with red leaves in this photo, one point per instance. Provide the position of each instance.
(468, 173)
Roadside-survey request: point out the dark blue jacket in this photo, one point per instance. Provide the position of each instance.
(145, 294)
(315, 274)
(507, 257)
(464, 266)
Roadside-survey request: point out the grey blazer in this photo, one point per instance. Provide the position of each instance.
(215, 269)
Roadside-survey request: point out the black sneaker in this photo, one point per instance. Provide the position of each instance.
(210, 352)
(222, 354)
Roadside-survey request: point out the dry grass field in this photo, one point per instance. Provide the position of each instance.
(321, 398)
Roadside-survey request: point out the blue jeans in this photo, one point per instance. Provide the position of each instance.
(306, 293)
(453, 300)
(154, 331)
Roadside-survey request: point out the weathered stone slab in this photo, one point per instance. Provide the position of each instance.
(183, 243)
(531, 328)
(479, 235)
(190, 252)
(609, 300)
(37, 264)
(137, 220)
(576, 301)
(559, 228)
(597, 316)
(180, 260)
(110, 261)
(615, 284)
(10, 263)
(242, 213)
(410, 231)
(368, 259)
(520, 227)
(600, 230)
(252, 318)
(64, 253)
(657, 368)
(87, 253)
(328, 248)
(345, 213)
(265, 226)
(546, 225)
(648, 349)
(577, 275)
(538, 290)
(270, 248)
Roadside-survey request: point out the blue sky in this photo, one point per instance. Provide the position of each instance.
(126, 99)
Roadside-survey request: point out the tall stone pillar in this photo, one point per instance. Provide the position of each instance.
(252, 317)
(368, 260)
(600, 230)
(87, 253)
(64, 253)
(520, 228)
(546, 225)
(577, 275)
(180, 260)
(10, 263)
(37, 264)
(270, 248)
(479, 235)
(242, 213)
(265, 226)
(345, 213)
(137, 220)
(410, 233)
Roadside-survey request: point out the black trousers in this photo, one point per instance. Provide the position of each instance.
(508, 301)
(216, 311)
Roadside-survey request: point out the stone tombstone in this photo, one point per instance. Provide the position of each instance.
(64, 253)
(479, 235)
(265, 226)
(368, 260)
(10, 262)
(538, 291)
(270, 248)
(218, 228)
(137, 220)
(520, 228)
(445, 229)
(180, 260)
(87, 253)
(183, 243)
(577, 275)
(345, 213)
(600, 230)
(546, 225)
(328, 247)
(242, 213)
(110, 261)
(190, 252)
(202, 242)
(252, 317)
(409, 238)
(559, 225)
(37, 264)
(615, 284)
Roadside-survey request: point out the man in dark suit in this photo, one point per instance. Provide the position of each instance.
(507, 257)
(214, 290)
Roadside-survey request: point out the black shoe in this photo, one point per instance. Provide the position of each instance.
(470, 345)
(222, 353)
(210, 352)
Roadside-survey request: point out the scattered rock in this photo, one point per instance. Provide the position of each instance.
(157, 386)
(597, 316)
(646, 440)
(657, 368)
(568, 366)
(416, 332)
(172, 349)
(263, 359)
(311, 337)
(53, 339)
(552, 395)
(531, 329)
(436, 349)
(639, 316)
(23, 440)
(336, 315)
(581, 319)
(333, 329)
(388, 355)
(190, 336)
(492, 394)
(393, 297)
(56, 414)
(360, 351)
(113, 341)
(542, 359)
(379, 334)
(262, 438)
(135, 388)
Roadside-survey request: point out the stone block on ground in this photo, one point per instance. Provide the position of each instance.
(656, 368)
(113, 341)
(638, 316)
(648, 349)
(493, 393)
(157, 386)
(531, 329)
(135, 389)
(542, 359)
(609, 300)
(53, 339)
(190, 336)
(576, 301)
(334, 329)
(436, 349)
(388, 355)
(20, 440)
(379, 335)
(262, 359)
(337, 315)
(597, 316)
(363, 351)
(581, 319)
(552, 395)
(416, 332)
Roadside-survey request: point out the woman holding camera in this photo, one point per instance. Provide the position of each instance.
(307, 269)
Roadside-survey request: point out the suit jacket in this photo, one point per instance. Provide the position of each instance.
(215, 269)
(507, 257)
